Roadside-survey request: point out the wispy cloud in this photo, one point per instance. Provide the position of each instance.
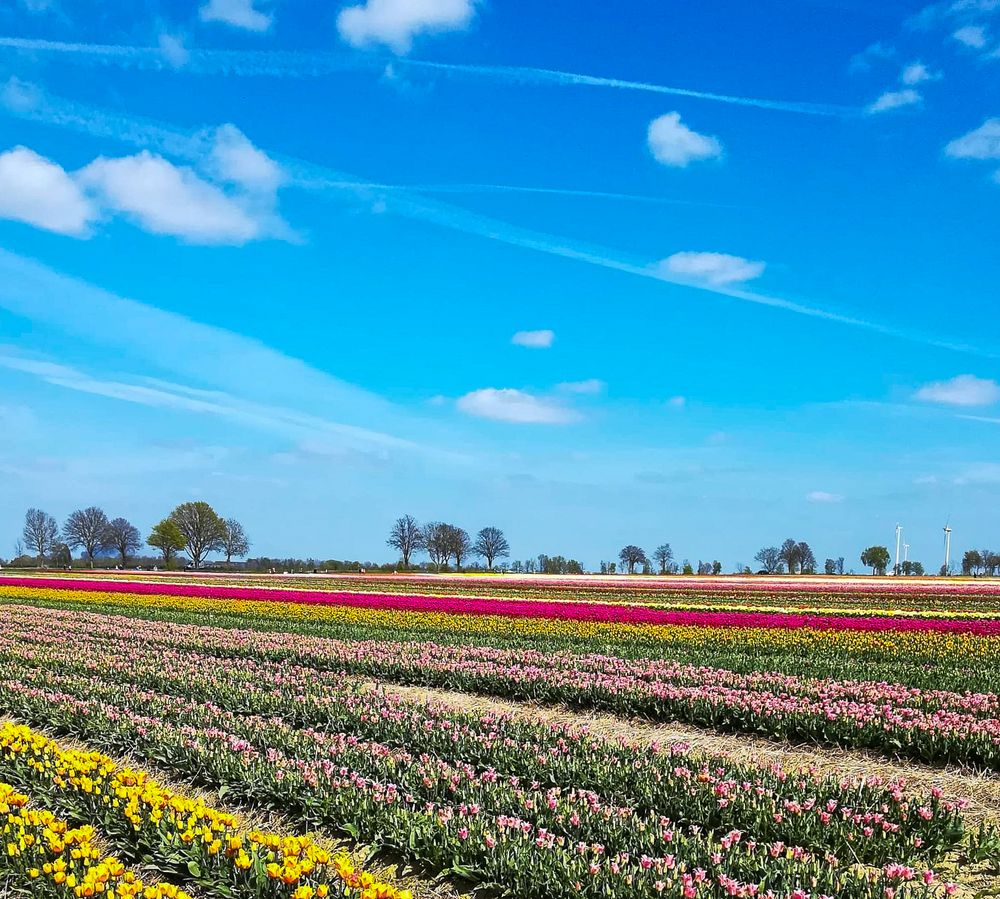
(974, 36)
(891, 100)
(862, 62)
(315, 64)
(515, 406)
(917, 73)
(962, 390)
(534, 340)
(324, 180)
(821, 496)
(589, 387)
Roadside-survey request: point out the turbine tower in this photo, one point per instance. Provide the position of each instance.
(899, 532)
(906, 553)
(947, 549)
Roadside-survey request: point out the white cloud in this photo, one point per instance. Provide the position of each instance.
(173, 50)
(396, 23)
(589, 387)
(672, 143)
(982, 143)
(508, 404)
(715, 269)
(38, 192)
(235, 160)
(917, 73)
(821, 496)
(535, 340)
(894, 100)
(238, 13)
(677, 402)
(168, 199)
(963, 390)
(973, 36)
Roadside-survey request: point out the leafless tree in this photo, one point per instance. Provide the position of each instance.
(459, 543)
(770, 559)
(437, 543)
(491, 544)
(790, 554)
(18, 548)
(806, 558)
(86, 529)
(204, 532)
(631, 556)
(123, 537)
(408, 537)
(235, 542)
(663, 555)
(40, 532)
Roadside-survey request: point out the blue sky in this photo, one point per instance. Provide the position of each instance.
(713, 274)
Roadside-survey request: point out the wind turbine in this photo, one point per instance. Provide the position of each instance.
(947, 548)
(906, 553)
(899, 532)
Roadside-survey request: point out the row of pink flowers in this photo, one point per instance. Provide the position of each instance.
(574, 611)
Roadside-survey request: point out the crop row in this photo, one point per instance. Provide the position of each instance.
(579, 610)
(934, 726)
(520, 839)
(184, 839)
(917, 658)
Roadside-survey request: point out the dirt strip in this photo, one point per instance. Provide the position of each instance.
(980, 791)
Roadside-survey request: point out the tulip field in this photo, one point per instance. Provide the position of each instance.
(250, 738)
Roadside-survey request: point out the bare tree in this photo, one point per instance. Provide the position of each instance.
(40, 532)
(663, 555)
(790, 554)
(631, 556)
(408, 537)
(204, 532)
(18, 548)
(459, 543)
(770, 559)
(235, 541)
(806, 558)
(437, 544)
(123, 537)
(491, 544)
(86, 529)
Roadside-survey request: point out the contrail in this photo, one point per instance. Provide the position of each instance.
(309, 64)
(322, 180)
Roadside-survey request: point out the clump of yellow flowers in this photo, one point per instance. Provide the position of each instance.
(54, 860)
(185, 836)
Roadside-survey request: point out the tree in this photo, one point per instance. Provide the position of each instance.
(86, 529)
(40, 532)
(631, 556)
(663, 555)
(235, 541)
(123, 537)
(830, 566)
(790, 554)
(806, 559)
(972, 561)
(770, 560)
(716, 567)
(876, 558)
(408, 537)
(840, 565)
(436, 543)
(459, 544)
(168, 538)
(61, 555)
(204, 532)
(991, 562)
(491, 544)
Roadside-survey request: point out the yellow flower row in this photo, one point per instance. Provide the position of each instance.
(209, 840)
(927, 645)
(59, 861)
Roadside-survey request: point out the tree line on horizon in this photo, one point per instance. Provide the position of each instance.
(194, 528)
